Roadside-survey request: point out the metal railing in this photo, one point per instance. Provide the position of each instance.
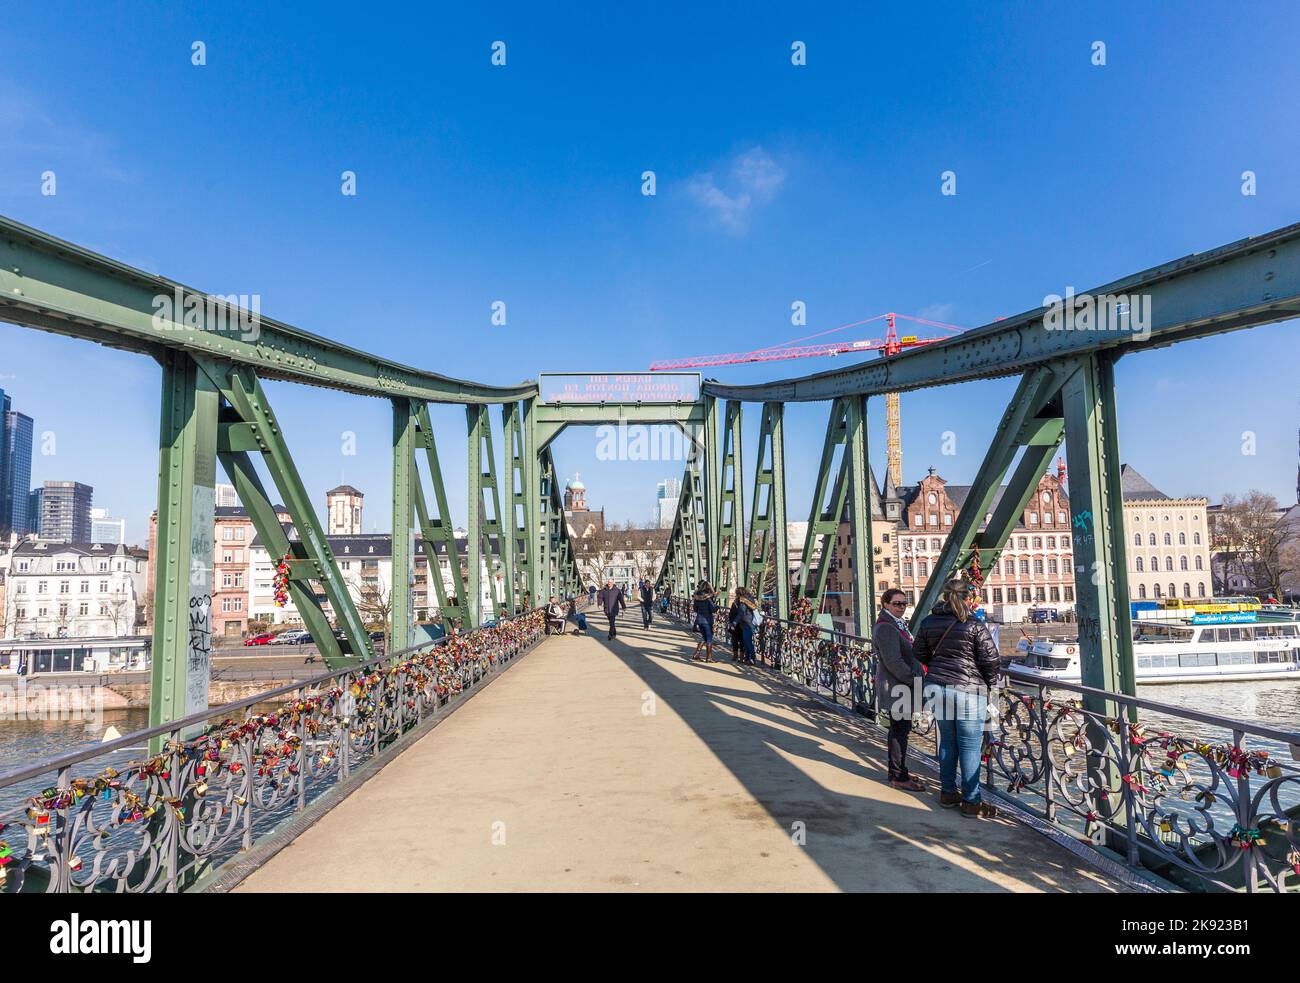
(229, 775)
(1204, 801)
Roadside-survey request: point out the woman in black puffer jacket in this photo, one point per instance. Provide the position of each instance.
(962, 665)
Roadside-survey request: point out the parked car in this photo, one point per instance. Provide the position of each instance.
(294, 636)
(264, 639)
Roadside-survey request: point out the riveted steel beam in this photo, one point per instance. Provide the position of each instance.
(733, 562)
(768, 532)
(247, 403)
(402, 630)
(1027, 417)
(1246, 283)
(56, 286)
(517, 535)
(182, 588)
(825, 514)
(437, 529)
(860, 533)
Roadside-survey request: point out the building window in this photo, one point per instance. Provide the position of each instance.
(918, 521)
(84, 587)
(1169, 563)
(1038, 542)
(1138, 561)
(1196, 539)
(934, 518)
(1169, 540)
(997, 595)
(936, 544)
(1142, 591)
(1200, 589)
(907, 568)
(1033, 518)
(1182, 539)
(923, 568)
(1182, 563)
(1023, 542)
(63, 587)
(1173, 591)
(1157, 590)
(1151, 539)
(1199, 565)
(1052, 566)
(1024, 567)
(1137, 539)
(1038, 566)
(1187, 590)
(1069, 594)
(1056, 594)
(947, 518)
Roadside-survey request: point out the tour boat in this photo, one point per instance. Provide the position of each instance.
(1184, 652)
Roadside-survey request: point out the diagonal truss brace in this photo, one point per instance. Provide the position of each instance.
(245, 424)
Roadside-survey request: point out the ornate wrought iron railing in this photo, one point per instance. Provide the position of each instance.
(103, 820)
(1204, 801)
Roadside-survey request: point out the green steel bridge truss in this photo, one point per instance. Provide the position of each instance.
(214, 407)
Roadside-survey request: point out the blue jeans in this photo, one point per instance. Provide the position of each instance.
(747, 641)
(959, 718)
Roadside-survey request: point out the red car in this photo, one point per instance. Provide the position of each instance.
(259, 639)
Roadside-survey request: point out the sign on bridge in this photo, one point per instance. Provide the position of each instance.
(623, 387)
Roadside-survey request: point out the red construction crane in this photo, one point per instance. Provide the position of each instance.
(891, 344)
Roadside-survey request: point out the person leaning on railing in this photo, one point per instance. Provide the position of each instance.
(898, 683)
(963, 665)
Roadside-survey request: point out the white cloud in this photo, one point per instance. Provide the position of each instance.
(753, 178)
(937, 312)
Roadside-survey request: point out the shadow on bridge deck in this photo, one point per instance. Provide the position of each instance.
(597, 765)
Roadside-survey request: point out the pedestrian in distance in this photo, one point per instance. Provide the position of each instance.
(747, 621)
(577, 617)
(962, 665)
(705, 608)
(555, 617)
(647, 603)
(611, 602)
(898, 683)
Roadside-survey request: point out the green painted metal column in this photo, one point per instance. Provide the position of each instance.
(712, 494)
(733, 540)
(474, 527)
(1096, 505)
(824, 517)
(768, 532)
(517, 497)
(182, 622)
(402, 631)
(864, 570)
(533, 505)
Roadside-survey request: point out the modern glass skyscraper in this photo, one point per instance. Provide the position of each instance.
(65, 512)
(15, 468)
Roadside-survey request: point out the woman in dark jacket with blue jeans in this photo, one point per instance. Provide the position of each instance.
(963, 666)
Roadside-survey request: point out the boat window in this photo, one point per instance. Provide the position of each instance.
(1235, 658)
(1198, 659)
(1144, 662)
(1263, 658)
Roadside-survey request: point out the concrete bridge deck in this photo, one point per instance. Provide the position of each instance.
(596, 766)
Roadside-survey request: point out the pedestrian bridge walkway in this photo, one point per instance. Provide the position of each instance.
(594, 765)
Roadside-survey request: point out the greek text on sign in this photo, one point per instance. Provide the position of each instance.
(635, 387)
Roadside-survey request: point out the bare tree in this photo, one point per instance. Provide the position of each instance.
(375, 605)
(118, 607)
(1251, 533)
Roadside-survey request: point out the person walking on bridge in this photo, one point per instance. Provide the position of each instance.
(705, 608)
(963, 666)
(647, 598)
(611, 602)
(898, 683)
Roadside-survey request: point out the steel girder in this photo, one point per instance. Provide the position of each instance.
(824, 517)
(439, 528)
(56, 286)
(512, 425)
(732, 562)
(246, 424)
(182, 588)
(861, 541)
(1032, 421)
(484, 528)
(768, 531)
(404, 476)
(1246, 283)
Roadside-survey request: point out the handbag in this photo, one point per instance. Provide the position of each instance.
(758, 617)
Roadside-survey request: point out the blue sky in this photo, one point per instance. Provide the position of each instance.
(775, 183)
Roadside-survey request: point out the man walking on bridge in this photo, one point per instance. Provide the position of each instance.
(611, 602)
(647, 598)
